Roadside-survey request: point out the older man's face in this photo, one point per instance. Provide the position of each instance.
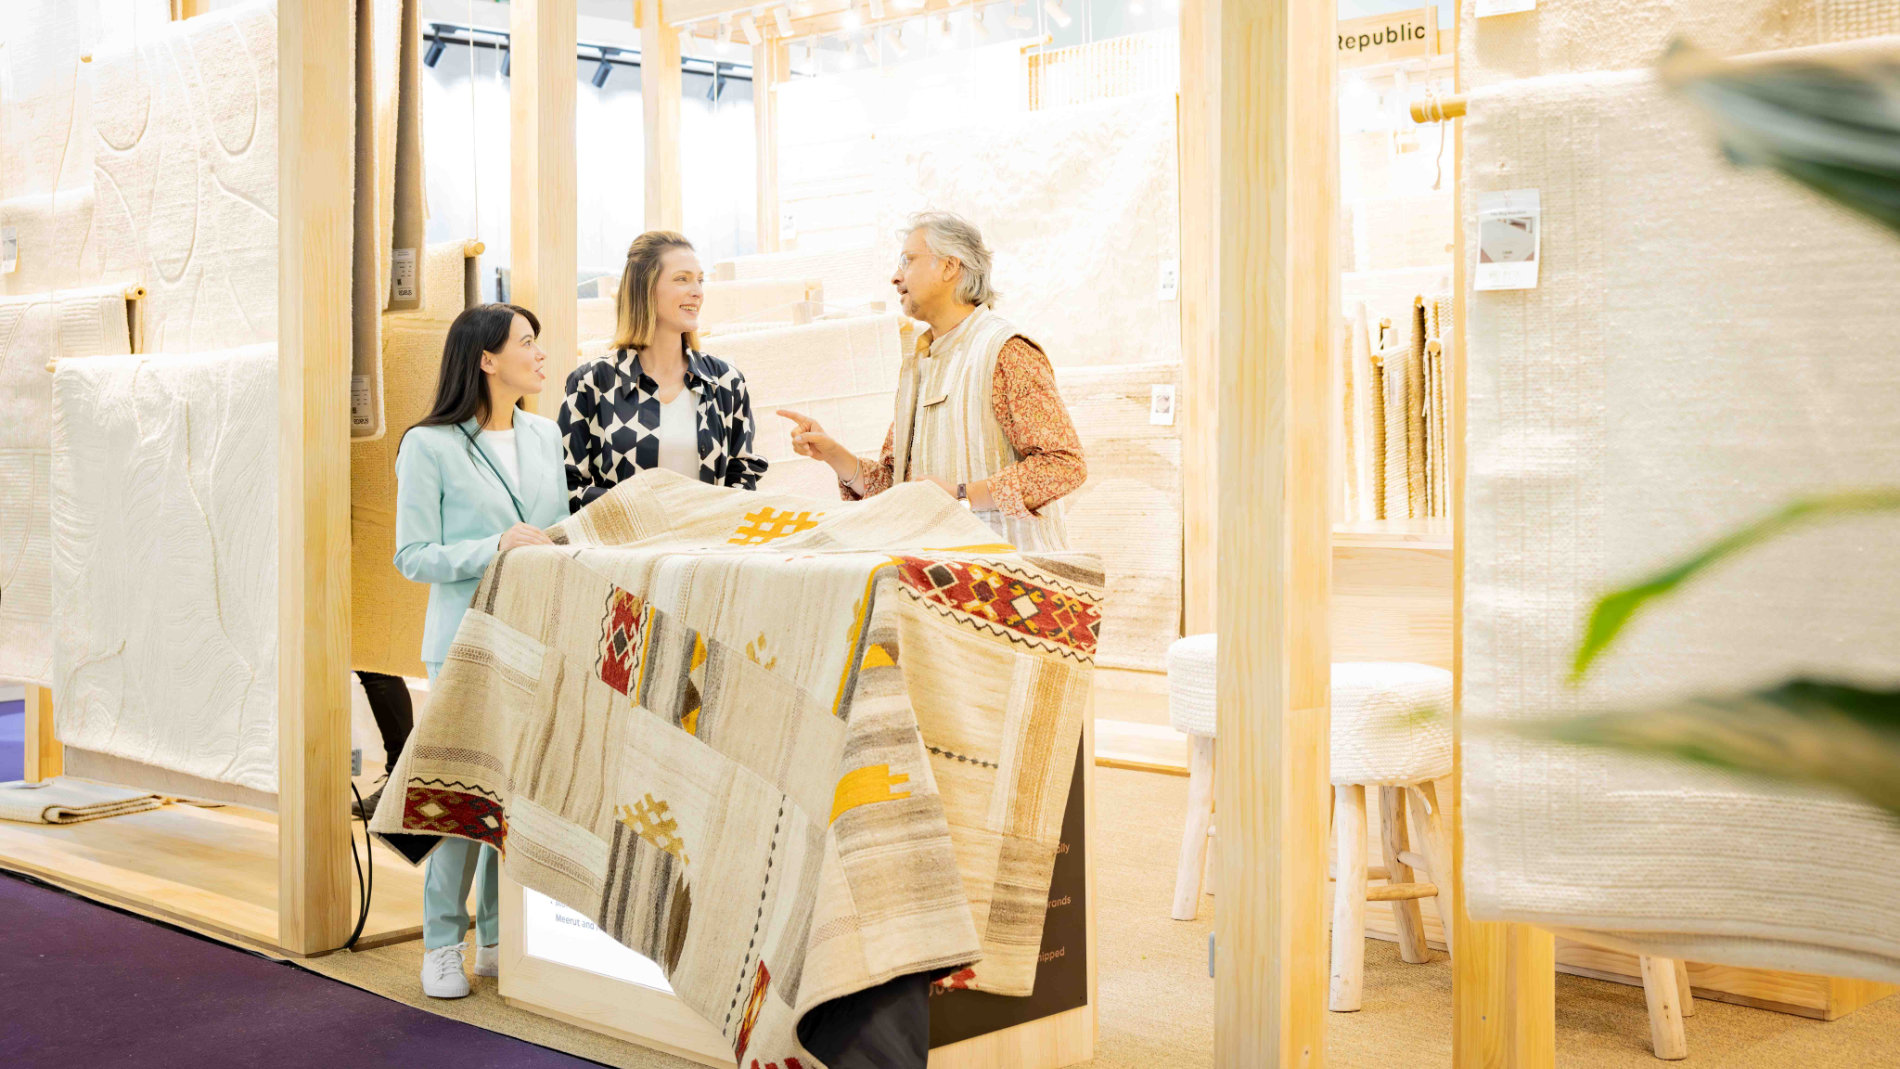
(923, 279)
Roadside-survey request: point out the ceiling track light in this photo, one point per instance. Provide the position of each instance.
(782, 18)
(724, 36)
(977, 24)
(897, 43)
(877, 10)
(1056, 14)
(1017, 20)
(750, 27)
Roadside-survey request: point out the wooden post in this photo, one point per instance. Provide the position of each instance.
(543, 230)
(771, 66)
(660, 97)
(316, 164)
(1276, 312)
(1198, 132)
(1504, 976)
(44, 756)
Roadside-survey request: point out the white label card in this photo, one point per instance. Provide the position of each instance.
(1487, 8)
(1170, 287)
(1510, 240)
(362, 411)
(1161, 406)
(9, 250)
(402, 269)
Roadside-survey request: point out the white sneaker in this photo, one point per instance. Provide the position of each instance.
(488, 961)
(442, 975)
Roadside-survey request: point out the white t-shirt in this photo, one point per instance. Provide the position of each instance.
(679, 435)
(501, 445)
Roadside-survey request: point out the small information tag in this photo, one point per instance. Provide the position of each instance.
(1170, 286)
(402, 270)
(9, 250)
(1161, 406)
(1510, 240)
(1487, 8)
(362, 412)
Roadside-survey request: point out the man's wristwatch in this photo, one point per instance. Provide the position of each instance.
(963, 491)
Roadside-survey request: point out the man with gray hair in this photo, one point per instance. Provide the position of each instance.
(977, 408)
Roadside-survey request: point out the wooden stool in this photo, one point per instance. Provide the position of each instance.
(1391, 732)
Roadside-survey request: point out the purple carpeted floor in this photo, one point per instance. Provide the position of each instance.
(83, 985)
(12, 740)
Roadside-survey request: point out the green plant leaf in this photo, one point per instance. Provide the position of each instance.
(1802, 731)
(1615, 610)
(1831, 124)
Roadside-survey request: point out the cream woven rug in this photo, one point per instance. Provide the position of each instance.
(63, 800)
(34, 330)
(164, 511)
(387, 610)
(1128, 514)
(786, 748)
(1704, 345)
(186, 169)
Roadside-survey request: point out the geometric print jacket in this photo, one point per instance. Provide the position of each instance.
(610, 423)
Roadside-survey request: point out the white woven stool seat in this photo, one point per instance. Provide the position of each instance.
(1391, 720)
(1191, 688)
(1391, 723)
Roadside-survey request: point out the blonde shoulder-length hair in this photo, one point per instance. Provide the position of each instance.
(635, 319)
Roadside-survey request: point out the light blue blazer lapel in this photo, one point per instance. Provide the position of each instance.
(543, 471)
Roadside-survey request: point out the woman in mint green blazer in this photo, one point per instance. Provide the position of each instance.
(478, 476)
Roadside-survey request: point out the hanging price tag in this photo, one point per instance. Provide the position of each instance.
(1510, 239)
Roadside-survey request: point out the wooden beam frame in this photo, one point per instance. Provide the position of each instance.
(660, 101)
(45, 758)
(1198, 132)
(771, 66)
(543, 228)
(1277, 305)
(316, 164)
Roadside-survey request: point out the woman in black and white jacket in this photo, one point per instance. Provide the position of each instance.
(657, 401)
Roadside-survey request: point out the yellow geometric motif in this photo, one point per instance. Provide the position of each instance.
(690, 723)
(755, 650)
(865, 786)
(648, 819)
(769, 525)
(877, 657)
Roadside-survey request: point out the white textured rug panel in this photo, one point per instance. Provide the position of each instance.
(852, 277)
(1579, 36)
(1078, 205)
(843, 373)
(45, 133)
(34, 330)
(185, 175)
(1704, 345)
(752, 300)
(165, 561)
(57, 247)
(1129, 511)
(1406, 231)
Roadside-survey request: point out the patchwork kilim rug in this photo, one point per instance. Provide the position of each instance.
(789, 749)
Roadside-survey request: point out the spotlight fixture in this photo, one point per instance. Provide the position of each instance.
(750, 26)
(870, 47)
(1056, 14)
(606, 68)
(1017, 20)
(436, 47)
(782, 17)
(877, 10)
(507, 57)
(724, 36)
(981, 28)
(897, 43)
(944, 27)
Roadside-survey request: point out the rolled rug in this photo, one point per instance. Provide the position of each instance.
(70, 801)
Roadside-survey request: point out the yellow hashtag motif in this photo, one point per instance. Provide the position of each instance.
(648, 819)
(770, 525)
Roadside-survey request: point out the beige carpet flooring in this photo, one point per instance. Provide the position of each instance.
(1158, 1004)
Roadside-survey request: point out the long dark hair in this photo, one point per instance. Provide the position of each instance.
(461, 390)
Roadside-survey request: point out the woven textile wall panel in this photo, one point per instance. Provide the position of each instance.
(1704, 345)
(186, 176)
(1128, 514)
(164, 486)
(387, 610)
(33, 330)
(1579, 36)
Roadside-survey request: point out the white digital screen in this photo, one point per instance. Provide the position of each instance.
(552, 932)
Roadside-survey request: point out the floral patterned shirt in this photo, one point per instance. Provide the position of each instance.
(1036, 422)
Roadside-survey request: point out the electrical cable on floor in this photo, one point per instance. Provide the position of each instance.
(365, 888)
